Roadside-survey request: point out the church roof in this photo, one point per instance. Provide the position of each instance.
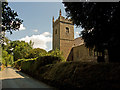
(78, 41)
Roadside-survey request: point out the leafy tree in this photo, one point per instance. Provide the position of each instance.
(33, 53)
(9, 19)
(101, 23)
(7, 59)
(9, 22)
(20, 49)
(56, 53)
(6, 43)
(31, 43)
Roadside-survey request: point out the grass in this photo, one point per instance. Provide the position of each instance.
(77, 75)
(82, 75)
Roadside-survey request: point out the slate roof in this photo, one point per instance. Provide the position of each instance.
(78, 41)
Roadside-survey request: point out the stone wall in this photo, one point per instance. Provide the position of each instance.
(81, 53)
(66, 38)
(65, 47)
(56, 36)
(63, 32)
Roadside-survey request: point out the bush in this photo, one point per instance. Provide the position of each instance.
(33, 53)
(47, 60)
(32, 65)
(27, 64)
(3, 61)
(7, 59)
(56, 53)
(17, 64)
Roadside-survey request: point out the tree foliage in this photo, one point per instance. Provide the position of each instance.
(9, 19)
(33, 53)
(31, 65)
(20, 49)
(7, 59)
(101, 23)
(6, 43)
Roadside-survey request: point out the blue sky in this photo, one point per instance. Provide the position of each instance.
(37, 22)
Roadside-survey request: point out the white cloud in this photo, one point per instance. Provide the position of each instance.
(46, 34)
(22, 27)
(77, 33)
(40, 41)
(35, 30)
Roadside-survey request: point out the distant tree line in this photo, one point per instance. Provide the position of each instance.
(15, 50)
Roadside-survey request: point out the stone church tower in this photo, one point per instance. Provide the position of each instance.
(63, 39)
(63, 35)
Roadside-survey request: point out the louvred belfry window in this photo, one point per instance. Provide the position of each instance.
(56, 31)
(67, 30)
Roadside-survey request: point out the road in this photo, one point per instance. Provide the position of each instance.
(12, 78)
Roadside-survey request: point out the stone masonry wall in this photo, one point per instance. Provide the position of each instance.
(66, 38)
(81, 53)
(65, 47)
(56, 36)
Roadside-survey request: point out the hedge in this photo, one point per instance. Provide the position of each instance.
(27, 64)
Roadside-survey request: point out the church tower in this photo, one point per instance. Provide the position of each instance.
(63, 34)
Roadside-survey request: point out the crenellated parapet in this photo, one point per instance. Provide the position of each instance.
(63, 20)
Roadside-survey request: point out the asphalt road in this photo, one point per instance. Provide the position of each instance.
(12, 78)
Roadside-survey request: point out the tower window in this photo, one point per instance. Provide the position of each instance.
(67, 30)
(56, 31)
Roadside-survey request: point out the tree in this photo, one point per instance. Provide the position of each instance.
(33, 53)
(9, 19)
(9, 22)
(101, 23)
(6, 43)
(20, 49)
(31, 43)
(7, 59)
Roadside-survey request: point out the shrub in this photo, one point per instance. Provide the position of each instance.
(17, 64)
(33, 53)
(7, 59)
(3, 61)
(57, 53)
(32, 65)
(27, 64)
(47, 60)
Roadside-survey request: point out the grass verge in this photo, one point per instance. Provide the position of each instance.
(80, 75)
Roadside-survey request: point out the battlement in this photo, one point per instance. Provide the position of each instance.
(63, 20)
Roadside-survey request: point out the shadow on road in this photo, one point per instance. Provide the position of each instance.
(22, 83)
(21, 74)
(12, 78)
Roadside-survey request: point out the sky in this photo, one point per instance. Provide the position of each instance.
(37, 22)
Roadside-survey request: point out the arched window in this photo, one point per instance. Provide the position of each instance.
(56, 31)
(67, 30)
